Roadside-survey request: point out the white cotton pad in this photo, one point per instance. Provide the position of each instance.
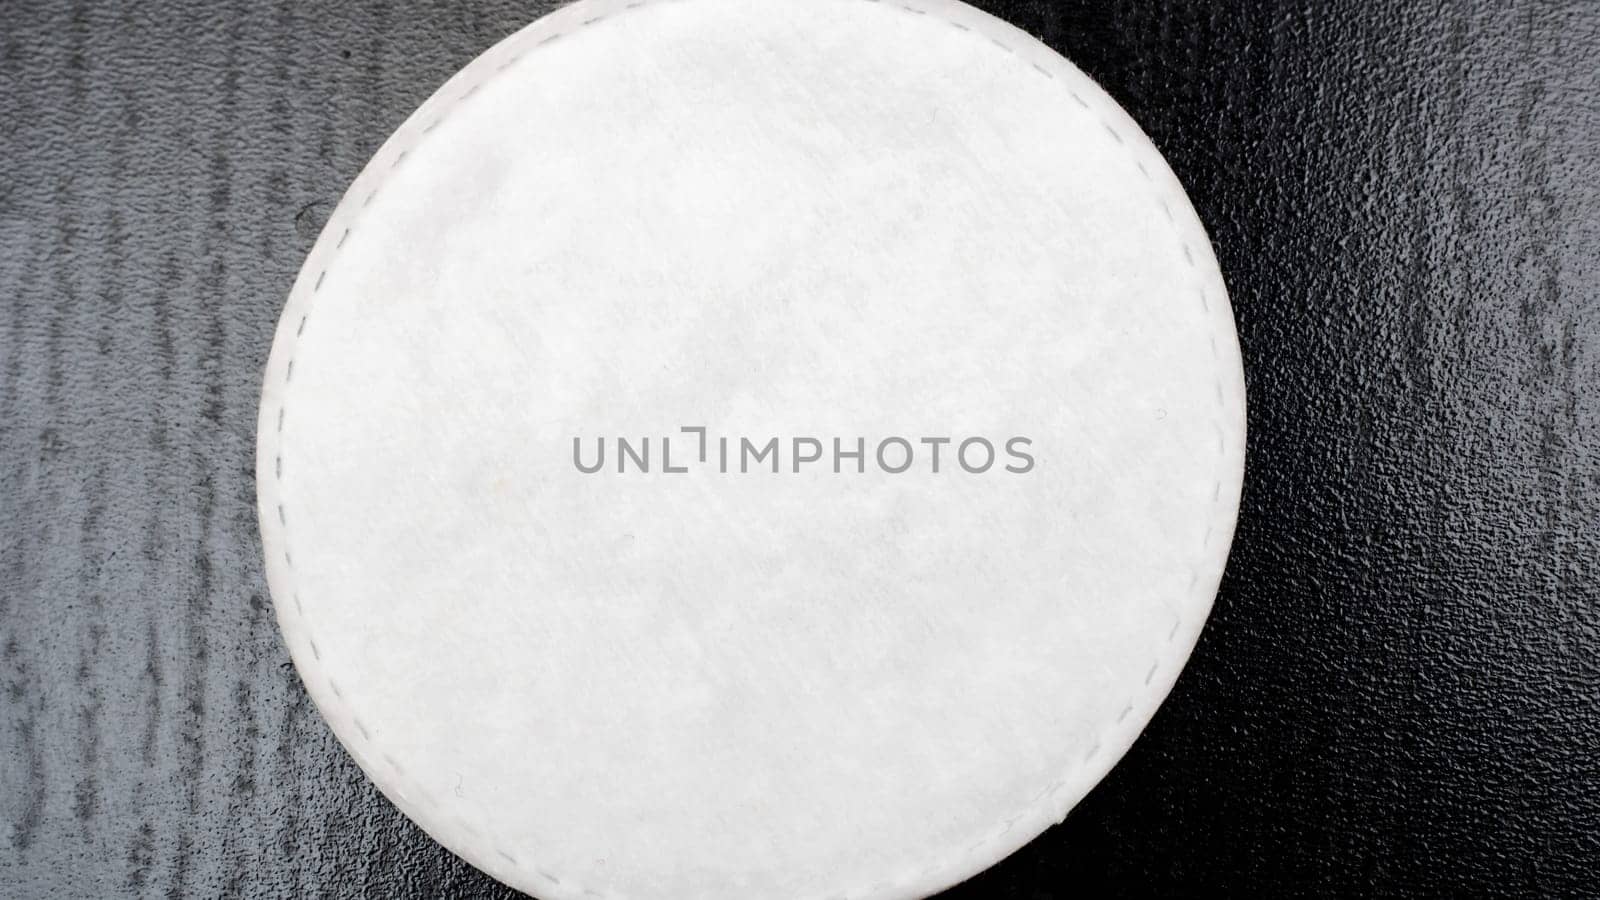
(643, 229)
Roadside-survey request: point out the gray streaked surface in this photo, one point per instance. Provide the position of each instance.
(1396, 695)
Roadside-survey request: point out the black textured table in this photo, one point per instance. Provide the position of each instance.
(1398, 692)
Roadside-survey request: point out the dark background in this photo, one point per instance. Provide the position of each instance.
(1398, 692)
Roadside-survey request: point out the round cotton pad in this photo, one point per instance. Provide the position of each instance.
(726, 449)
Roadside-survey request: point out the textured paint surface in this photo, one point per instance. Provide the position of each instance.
(1398, 690)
